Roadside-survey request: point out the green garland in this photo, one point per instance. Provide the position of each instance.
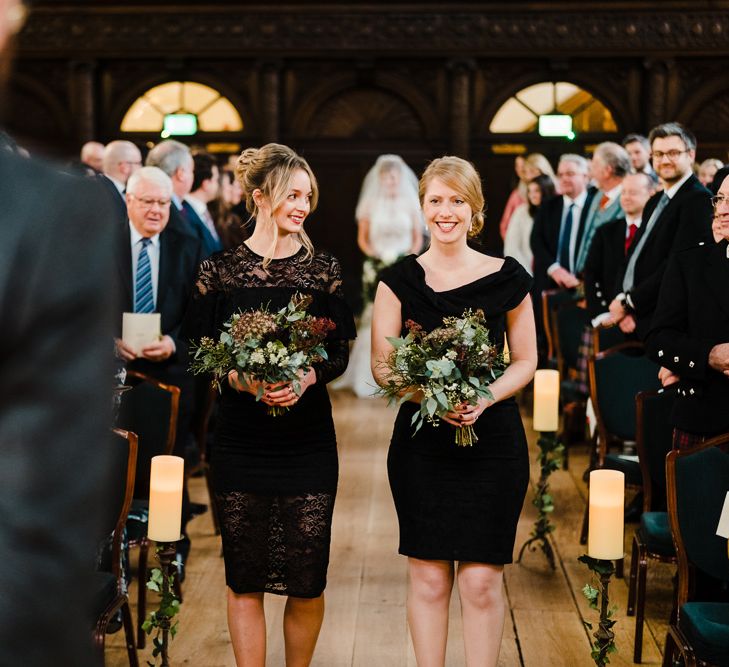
(604, 643)
(160, 621)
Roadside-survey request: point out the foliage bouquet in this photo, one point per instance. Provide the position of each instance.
(451, 365)
(269, 347)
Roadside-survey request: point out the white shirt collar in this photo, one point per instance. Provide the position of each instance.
(578, 201)
(633, 221)
(117, 184)
(675, 188)
(613, 194)
(137, 237)
(200, 207)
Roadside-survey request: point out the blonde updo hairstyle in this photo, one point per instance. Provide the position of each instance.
(270, 169)
(461, 176)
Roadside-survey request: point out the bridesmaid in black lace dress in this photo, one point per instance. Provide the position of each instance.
(458, 506)
(275, 478)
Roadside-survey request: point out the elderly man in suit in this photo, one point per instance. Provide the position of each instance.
(120, 160)
(611, 244)
(675, 219)
(610, 165)
(157, 267)
(689, 336)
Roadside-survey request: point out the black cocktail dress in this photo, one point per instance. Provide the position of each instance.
(275, 478)
(459, 503)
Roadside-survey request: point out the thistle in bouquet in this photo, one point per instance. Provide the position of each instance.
(451, 366)
(271, 348)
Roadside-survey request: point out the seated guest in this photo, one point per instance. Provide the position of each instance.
(689, 335)
(205, 186)
(516, 243)
(675, 219)
(611, 245)
(157, 267)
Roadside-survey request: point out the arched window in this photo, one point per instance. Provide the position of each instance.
(214, 112)
(520, 113)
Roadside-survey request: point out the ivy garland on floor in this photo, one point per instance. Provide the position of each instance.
(604, 643)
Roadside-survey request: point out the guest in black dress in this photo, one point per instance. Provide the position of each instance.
(458, 506)
(275, 478)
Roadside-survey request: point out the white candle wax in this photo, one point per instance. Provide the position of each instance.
(546, 400)
(607, 499)
(165, 498)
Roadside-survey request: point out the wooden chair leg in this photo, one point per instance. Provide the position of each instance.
(129, 635)
(620, 568)
(142, 593)
(640, 605)
(668, 651)
(585, 522)
(633, 574)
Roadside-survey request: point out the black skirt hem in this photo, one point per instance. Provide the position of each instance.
(306, 596)
(460, 559)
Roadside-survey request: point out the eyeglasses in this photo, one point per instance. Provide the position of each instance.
(719, 199)
(671, 155)
(147, 202)
(137, 163)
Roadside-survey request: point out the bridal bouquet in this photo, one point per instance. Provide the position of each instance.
(270, 347)
(451, 365)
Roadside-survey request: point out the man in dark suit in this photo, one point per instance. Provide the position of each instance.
(611, 244)
(557, 232)
(121, 159)
(675, 219)
(55, 405)
(689, 336)
(205, 186)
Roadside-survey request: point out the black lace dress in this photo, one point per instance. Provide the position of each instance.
(459, 503)
(275, 478)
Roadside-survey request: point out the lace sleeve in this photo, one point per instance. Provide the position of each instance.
(335, 278)
(338, 351)
(201, 318)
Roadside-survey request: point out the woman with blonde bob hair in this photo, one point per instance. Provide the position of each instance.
(274, 478)
(457, 507)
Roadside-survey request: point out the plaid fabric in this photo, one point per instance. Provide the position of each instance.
(582, 380)
(686, 440)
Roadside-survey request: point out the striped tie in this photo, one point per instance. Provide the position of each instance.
(143, 293)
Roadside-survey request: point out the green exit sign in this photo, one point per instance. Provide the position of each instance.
(179, 125)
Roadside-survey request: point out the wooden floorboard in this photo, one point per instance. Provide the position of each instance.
(365, 623)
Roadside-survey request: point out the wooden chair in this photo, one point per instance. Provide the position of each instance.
(150, 409)
(697, 483)
(109, 592)
(551, 301)
(617, 375)
(652, 540)
(200, 427)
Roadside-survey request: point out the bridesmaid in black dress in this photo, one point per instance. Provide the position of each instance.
(458, 506)
(275, 478)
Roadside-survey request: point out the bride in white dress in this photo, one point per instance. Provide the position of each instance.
(390, 226)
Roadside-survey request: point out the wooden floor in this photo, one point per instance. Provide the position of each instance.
(365, 623)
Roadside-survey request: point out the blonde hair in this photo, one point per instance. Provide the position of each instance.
(462, 176)
(538, 161)
(270, 169)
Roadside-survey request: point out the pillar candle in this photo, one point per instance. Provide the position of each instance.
(165, 498)
(607, 523)
(546, 400)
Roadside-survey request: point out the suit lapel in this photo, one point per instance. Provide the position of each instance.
(164, 277)
(124, 265)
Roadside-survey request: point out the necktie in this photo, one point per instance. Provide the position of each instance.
(604, 202)
(629, 278)
(563, 251)
(632, 229)
(143, 294)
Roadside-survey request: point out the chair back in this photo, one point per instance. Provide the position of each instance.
(606, 337)
(654, 439)
(551, 300)
(697, 483)
(124, 453)
(149, 409)
(571, 321)
(617, 375)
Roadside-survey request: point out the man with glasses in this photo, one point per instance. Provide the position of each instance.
(675, 219)
(689, 336)
(120, 160)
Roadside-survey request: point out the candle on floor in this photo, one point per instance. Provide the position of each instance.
(607, 499)
(165, 498)
(546, 401)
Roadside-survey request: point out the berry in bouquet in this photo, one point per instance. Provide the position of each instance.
(269, 347)
(452, 365)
